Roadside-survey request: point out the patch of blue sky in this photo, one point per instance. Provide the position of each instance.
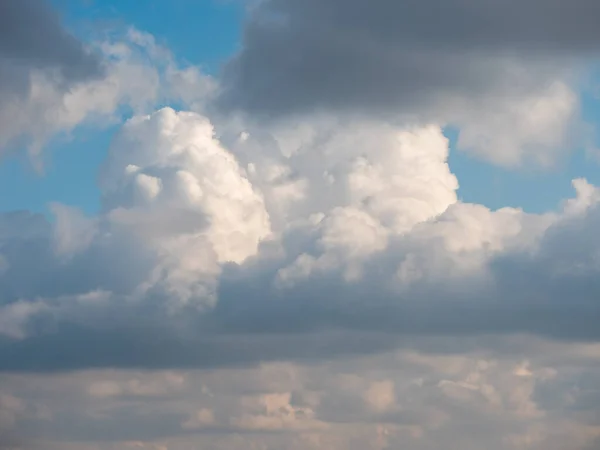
(201, 32)
(69, 174)
(532, 190)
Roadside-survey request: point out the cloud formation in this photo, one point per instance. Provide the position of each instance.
(209, 256)
(535, 398)
(51, 83)
(32, 37)
(34, 49)
(315, 281)
(398, 54)
(484, 66)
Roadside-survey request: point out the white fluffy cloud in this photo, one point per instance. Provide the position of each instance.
(169, 182)
(374, 239)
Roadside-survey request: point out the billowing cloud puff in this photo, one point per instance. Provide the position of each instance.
(171, 184)
(348, 230)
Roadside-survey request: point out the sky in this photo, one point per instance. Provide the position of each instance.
(299, 225)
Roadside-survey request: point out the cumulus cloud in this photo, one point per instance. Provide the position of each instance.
(171, 193)
(170, 182)
(196, 248)
(486, 66)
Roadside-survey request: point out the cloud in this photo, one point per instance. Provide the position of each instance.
(200, 419)
(35, 46)
(174, 200)
(51, 46)
(134, 73)
(199, 258)
(274, 412)
(484, 66)
(534, 398)
(380, 396)
(535, 128)
(336, 53)
(313, 281)
(11, 410)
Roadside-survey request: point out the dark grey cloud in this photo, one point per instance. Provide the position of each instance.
(402, 55)
(10, 442)
(31, 35)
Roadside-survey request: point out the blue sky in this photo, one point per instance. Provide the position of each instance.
(202, 32)
(530, 188)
